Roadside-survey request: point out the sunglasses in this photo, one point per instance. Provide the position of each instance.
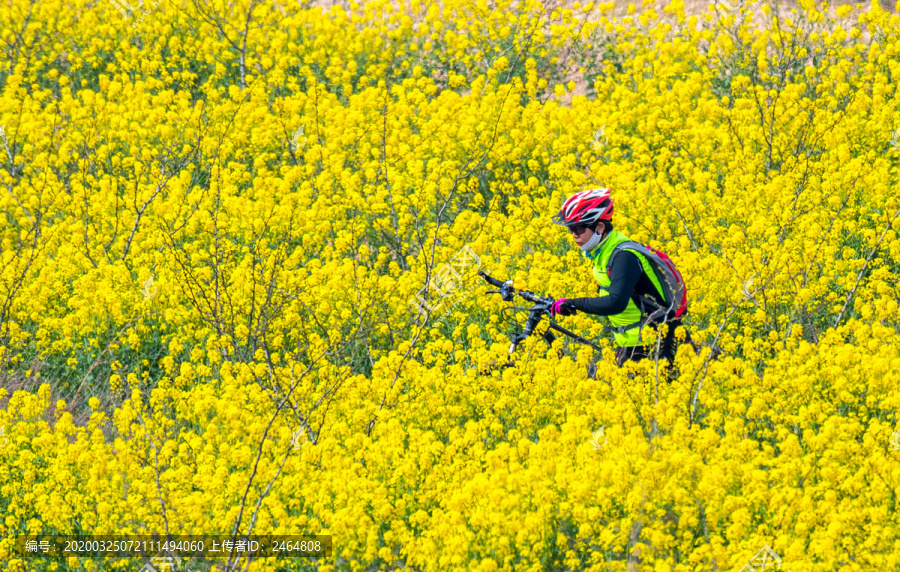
(578, 229)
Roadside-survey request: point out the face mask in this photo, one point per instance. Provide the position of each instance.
(592, 242)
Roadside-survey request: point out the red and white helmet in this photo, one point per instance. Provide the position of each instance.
(585, 207)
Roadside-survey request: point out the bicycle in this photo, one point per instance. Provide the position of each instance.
(536, 312)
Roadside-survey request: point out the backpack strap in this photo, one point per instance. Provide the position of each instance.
(657, 314)
(637, 298)
(622, 329)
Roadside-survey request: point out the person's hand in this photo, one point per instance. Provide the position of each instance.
(562, 307)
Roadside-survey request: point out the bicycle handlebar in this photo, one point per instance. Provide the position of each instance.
(541, 308)
(507, 291)
(492, 281)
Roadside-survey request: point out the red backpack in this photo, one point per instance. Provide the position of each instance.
(674, 288)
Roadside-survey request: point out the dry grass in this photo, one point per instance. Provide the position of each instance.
(76, 405)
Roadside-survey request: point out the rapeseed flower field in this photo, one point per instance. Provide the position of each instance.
(226, 226)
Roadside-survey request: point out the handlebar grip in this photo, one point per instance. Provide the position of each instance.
(491, 281)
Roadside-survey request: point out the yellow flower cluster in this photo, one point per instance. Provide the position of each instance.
(238, 288)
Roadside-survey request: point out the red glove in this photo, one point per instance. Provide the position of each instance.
(562, 307)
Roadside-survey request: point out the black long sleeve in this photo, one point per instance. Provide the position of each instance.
(624, 276)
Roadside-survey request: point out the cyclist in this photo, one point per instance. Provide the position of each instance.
(624, 285)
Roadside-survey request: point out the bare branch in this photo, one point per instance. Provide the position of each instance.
(863, 271)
